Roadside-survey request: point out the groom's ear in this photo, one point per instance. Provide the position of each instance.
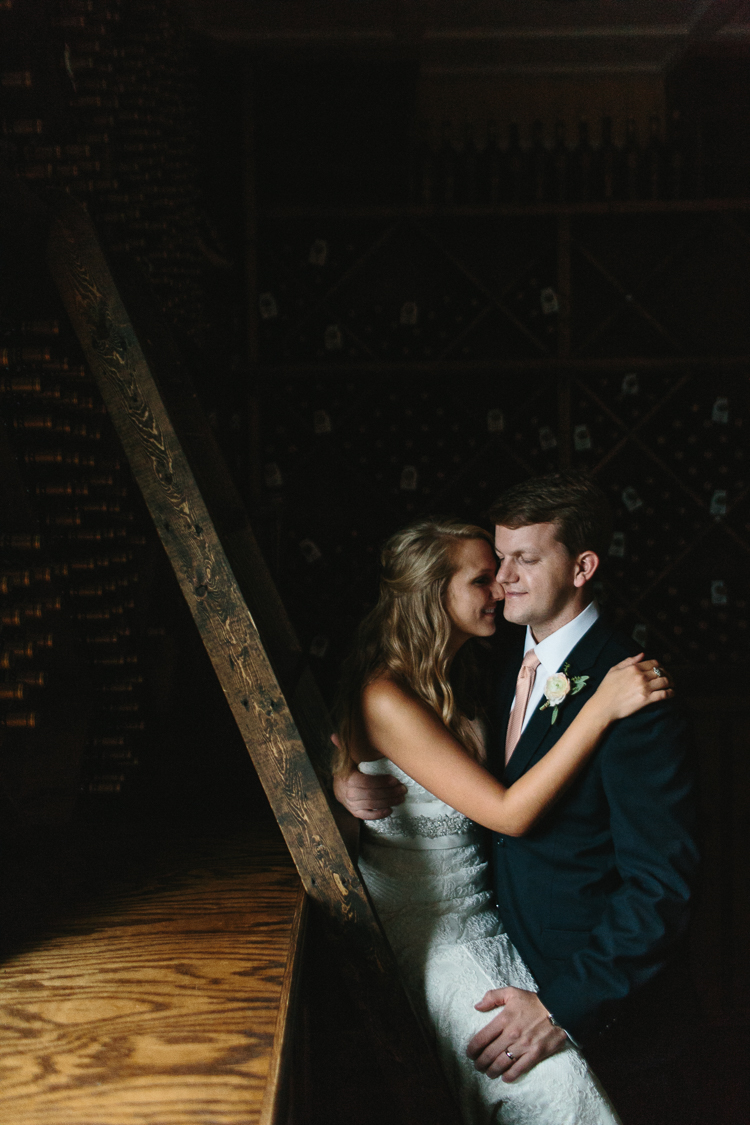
(587, 564)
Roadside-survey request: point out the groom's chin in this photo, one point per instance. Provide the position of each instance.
(513, 613)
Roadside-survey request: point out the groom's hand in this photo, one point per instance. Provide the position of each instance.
(368, 796)
(521, 1030)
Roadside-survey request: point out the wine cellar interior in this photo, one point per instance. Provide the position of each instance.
(402, 258)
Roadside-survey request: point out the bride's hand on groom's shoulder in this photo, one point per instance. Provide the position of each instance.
(368, 796)
(518, 1038)
(631, 685)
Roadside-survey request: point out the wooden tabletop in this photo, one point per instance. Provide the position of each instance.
(161, 1003)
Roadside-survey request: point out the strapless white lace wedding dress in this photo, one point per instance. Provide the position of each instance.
(425, 869)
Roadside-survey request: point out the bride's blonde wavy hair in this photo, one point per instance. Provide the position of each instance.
(408, 632)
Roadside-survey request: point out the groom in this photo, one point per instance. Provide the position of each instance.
(595, 898)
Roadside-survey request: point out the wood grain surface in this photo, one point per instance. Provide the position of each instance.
(203, 569)
(160, 1005)
(280, 1079)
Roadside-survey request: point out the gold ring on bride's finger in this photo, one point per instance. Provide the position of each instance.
(511, 1056)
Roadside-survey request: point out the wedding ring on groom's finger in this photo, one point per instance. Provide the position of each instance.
(511, 1056)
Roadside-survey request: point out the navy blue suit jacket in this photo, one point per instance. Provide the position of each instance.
(596, 895)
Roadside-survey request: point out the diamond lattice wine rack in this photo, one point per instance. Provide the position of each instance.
(416, 361)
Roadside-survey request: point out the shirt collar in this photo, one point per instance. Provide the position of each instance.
(554, 648)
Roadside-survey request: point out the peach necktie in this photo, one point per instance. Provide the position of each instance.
(524, 684)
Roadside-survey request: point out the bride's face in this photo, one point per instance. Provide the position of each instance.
(473, 592)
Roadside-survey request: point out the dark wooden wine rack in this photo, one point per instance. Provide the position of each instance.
(640, 375)
(608, 337)
(97, 101)
(75, 573)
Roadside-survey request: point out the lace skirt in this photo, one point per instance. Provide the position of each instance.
(434, 898)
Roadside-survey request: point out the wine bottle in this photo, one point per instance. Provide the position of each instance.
(26, 126)
(630, 165)
(40, 327)
(13, 579)
(606, 163)
(11, 691)
(653, 161)
(492, 168)
(18, 720)
(468, 192)
(32, 678)
(582, 167)
(22, 650)
(21, 384)
(538, 165)
(560, 164)
(25, 354)
(17, 79)
(20, 541)
(697, 185)
(427, 167)
(674, 159)
(447, 167)
(514, 164)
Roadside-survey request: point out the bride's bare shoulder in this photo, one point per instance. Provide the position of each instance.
(384, 698)
(382, 690)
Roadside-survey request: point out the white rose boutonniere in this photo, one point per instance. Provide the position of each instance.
(559, 687)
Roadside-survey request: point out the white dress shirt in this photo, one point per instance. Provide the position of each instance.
(553, 651)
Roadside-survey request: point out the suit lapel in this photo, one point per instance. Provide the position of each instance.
(539, 727)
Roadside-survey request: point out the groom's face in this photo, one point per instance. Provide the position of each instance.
(539, 577)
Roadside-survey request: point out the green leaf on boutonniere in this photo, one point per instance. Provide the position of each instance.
(558, 687)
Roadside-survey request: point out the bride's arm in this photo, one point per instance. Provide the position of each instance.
(403, 728)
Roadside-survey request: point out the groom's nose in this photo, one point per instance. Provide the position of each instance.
(507, 572)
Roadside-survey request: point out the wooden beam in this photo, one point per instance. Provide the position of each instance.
(205, 572)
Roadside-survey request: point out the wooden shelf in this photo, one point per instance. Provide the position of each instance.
(615, 207)
(542, 364)
(170, 1001)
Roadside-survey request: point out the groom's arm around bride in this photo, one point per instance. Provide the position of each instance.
(596, 898)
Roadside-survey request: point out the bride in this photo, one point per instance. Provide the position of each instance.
(408, 708)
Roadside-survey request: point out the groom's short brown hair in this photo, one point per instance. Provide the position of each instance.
(570, 500)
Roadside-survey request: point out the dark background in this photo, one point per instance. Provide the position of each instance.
(402, 276)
